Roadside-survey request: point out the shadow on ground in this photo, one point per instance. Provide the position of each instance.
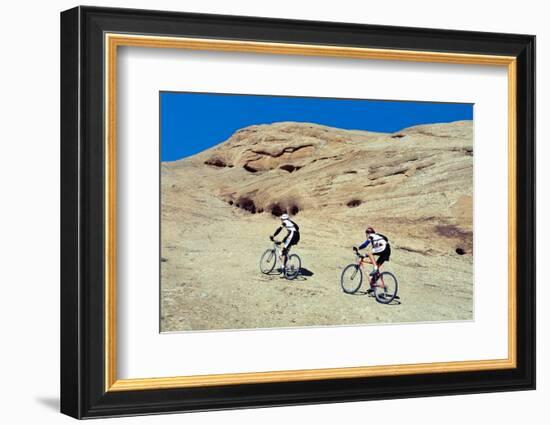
(369, 293)
(305, 272)
(49, 402)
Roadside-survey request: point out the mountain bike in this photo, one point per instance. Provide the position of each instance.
(383, 285)
(268, 261)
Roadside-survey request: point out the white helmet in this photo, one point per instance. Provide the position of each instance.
(284, 217)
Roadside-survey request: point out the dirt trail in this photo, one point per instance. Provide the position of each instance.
(211, 277)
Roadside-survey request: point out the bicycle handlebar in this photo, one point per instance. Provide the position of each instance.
(274, 241)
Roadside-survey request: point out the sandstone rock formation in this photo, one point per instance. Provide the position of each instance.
(415, 186)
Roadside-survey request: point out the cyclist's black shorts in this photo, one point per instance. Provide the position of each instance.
(383, 256)
(295, 239)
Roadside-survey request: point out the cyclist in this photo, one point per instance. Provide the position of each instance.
(292, 236)
(380, 246)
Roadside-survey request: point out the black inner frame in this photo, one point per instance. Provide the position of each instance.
(82, 209)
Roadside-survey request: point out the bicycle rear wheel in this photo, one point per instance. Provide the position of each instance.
(293, 266)
(268, 261)
(385, 288)
(351, 278)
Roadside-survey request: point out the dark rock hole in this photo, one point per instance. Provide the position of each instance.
(247, 204)
(277, 210)
(460, 251)
(289, 167)
(354, 203)
(216, 162)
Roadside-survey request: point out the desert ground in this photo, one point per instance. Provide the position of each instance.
(219, 207)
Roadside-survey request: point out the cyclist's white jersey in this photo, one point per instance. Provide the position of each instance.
(289, 225)
(379, 244)
(291, 229)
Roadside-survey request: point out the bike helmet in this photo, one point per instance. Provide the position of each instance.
(284, 217)
(369, 230)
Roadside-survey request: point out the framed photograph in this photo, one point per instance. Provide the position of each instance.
(261, 212)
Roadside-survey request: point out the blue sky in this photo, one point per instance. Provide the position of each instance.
(193, 122)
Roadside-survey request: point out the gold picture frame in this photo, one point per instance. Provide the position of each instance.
(114, 41)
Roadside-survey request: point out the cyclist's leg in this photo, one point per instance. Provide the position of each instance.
(382, 258)
(284, 253)
(287, 253)
(287, 244)
(372, 259)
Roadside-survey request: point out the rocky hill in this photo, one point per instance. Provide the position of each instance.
(414, 186)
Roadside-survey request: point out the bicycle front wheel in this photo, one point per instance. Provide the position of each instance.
(293, 266)
(351, 278)
(385, 288)
(268, 261)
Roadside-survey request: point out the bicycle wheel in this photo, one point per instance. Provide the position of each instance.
(385, 288)
(351, 278)
(268, 261)
(293, 266)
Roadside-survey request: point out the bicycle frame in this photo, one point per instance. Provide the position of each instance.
(278, 247)
(361, 260)
(280, 256)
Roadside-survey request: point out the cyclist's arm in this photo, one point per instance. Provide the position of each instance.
(277, 231)
(364, 244)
